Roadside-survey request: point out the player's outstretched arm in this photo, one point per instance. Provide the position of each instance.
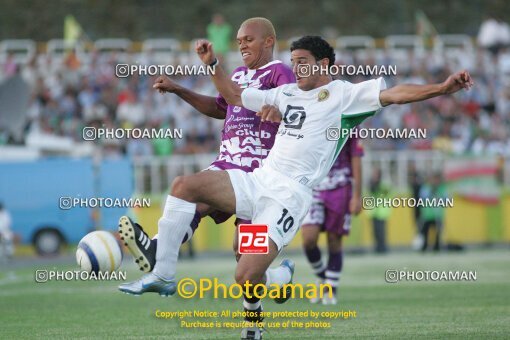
(226, 87)
(408, 93)
(203, 104)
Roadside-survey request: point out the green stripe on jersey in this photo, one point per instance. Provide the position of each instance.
(349, 122)
(355, 119)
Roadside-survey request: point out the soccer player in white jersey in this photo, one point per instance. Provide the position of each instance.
(279, 193)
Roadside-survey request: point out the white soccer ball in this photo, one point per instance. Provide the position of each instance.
(99, 251)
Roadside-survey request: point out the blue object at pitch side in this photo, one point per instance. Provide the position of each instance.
(31, 191)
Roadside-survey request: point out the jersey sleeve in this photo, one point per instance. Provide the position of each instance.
(283, 75)
(221, 103)
(362, 99)
(253, 99)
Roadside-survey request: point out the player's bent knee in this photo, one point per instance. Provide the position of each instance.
(177, 185)
(181, 188)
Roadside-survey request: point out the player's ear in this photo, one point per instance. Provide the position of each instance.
(270, 41)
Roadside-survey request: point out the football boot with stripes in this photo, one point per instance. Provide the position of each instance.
(139, 244)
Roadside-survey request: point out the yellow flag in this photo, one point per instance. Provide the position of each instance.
(72, 29)
(425, 28)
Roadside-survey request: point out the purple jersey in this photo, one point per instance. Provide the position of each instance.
(341, 171)
(245, 141)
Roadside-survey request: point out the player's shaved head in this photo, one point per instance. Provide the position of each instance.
(256, 38)
(266, 26)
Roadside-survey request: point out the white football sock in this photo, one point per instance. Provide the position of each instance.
(188, 235)
(279, 275)
(172, 227)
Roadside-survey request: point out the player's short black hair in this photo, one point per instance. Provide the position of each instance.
(317, 46)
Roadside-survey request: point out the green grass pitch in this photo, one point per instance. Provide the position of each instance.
(406, 310)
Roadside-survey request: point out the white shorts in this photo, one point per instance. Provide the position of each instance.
(265, 196)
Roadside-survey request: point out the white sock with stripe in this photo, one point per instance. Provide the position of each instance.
(172, 226)
(319, 268)
(332, 278)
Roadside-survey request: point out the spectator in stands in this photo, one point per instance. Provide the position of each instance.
(415, 183)
(494, 34)
(163, 147)
(443, 141)
(4, 137)
(139, 148)
(219, 34)
(71, 60)
(130, 111)
(380, 213)
(432, 216)
(9, 66)
(87, 98)
(6, 235)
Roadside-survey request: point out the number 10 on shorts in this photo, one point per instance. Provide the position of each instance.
(253, 239)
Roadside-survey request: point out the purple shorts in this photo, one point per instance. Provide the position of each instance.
(330, 210)
(217, 215)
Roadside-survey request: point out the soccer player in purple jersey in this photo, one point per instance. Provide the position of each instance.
(245, 140)
(335, 199)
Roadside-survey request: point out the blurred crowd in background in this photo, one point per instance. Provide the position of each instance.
(470, 122)
(68, 94)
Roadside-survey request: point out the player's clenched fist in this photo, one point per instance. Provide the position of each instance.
(205, 51)
(164, 84)
(458, 81)
(270, 113)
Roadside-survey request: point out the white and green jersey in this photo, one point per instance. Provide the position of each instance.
(306, 146)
